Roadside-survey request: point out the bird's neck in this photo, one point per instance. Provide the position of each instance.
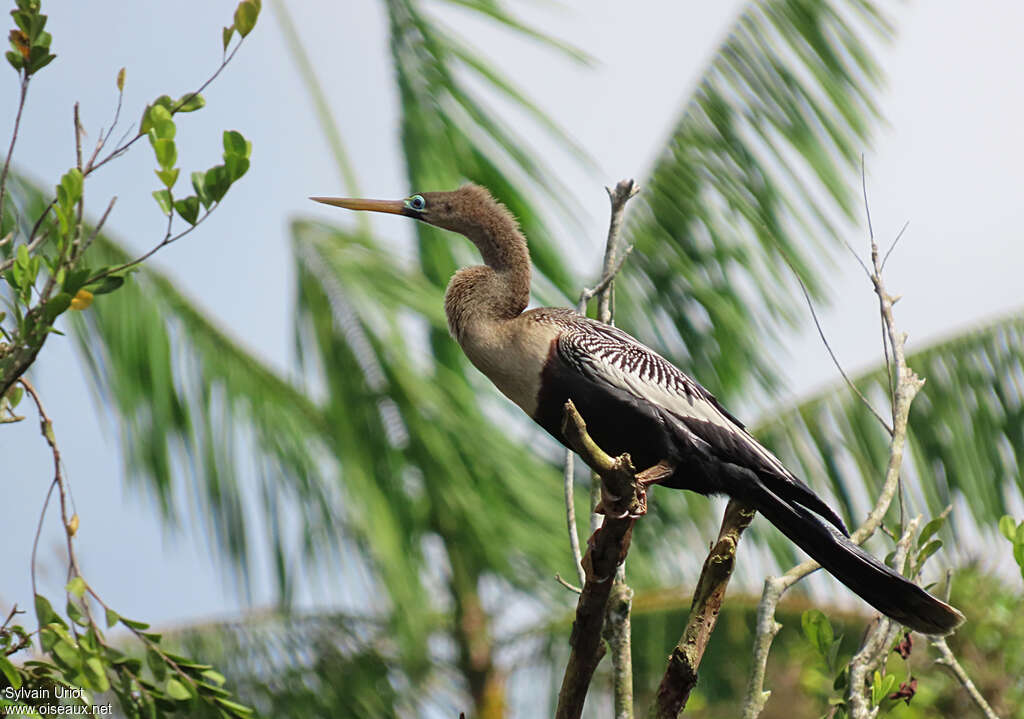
(480, 297)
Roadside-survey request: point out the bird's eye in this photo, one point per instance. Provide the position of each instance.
(416, 202)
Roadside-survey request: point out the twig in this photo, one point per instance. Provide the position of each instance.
(681, 673)
(123, 146)
(835, 360)
(10, 148)
(611, 265)
(606, 551)
(617, 631)
(167, 240)
(567, 585)
(104, 138)
(907, 385)
(949, 660)
(876, 643)
(46, 429)
(617, 634)
(892, 247)
(570, 518)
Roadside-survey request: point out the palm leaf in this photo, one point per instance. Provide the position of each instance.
(761, 156)
(966, 429)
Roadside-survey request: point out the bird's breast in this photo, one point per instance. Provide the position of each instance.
(512, 357)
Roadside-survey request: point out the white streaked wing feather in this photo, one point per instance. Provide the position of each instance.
(612, 356)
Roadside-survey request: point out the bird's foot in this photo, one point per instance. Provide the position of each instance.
(656, 474)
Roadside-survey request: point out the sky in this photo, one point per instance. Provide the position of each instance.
(947, 160)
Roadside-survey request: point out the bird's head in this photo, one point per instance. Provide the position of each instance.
(469, 210)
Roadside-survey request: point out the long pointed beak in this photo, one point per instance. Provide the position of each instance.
(394, 207)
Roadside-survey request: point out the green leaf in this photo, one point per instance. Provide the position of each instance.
(245, 17)
(818, 631)
(214, 677)
(163, 198)
(928, 550)
(107, 284)
(216, 183)
(14, 395)
(156, 663)
(236, 144)
(176, 690)
(188, 208)
(1007, 527)
(75, 614)
(881, 687)
(226, 35)
(236, 166)
(76, 279)
(9, 671)
(76, 587)
(134, 624)
(15, 59)
(72, 182)
(38, 58)
(94, 672)
(930, 529)
(233, 707)
(157, 118)
(168, 177)
(199, 185)
(165, 150)
(112, 618)
(45, 614)
(55, 307)
(120, 80)
(190, 102)
(64, 651)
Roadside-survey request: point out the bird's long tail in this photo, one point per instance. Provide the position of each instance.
(878, 585)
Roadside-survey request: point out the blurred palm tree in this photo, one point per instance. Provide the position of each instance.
(392, 468)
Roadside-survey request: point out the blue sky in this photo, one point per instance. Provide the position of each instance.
(948, 161)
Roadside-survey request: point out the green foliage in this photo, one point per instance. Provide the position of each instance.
(1014, 533)
(48, 264)
(966, 428)
(50, 270)
(83, 665)
(30, 44)
(749, 184)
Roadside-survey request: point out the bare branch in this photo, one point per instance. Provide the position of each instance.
(835, 360)
(895, 242)
(605, 553)
(875, 646)
(949, 660)
(10, 148)
(681, 673)
(907, 385)
(124, 146)
(612, 264)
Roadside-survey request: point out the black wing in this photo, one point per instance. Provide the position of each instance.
(611, 358)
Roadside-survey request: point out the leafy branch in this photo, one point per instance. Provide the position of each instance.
(55, 247)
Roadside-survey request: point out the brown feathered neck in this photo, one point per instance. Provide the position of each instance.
(478, 297)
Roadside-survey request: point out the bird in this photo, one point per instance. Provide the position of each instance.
(633, 400)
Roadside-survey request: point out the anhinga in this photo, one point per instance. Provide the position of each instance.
(632, 399)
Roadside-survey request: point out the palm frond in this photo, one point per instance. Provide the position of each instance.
(966, 429)
(761, 156)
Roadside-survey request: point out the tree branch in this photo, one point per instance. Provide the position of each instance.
(877, 642)
(606, 550)
(949, 660)
(10, 148)
(617, 627)
(681, 673)
(907, 385)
